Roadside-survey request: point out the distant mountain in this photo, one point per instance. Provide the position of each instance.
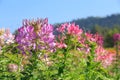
(90, 22)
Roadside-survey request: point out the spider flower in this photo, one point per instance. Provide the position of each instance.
(35, 35)
(116, 37)
(104, 56)
(25, 38)
(6, 37)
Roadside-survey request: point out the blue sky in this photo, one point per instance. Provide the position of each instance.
(12, 12)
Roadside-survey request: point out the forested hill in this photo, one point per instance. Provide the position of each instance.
(90, 22)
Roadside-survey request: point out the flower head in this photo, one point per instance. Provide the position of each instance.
(103, 56)
(116, 37)
(74, 29)
(6, 37)
(35, 35)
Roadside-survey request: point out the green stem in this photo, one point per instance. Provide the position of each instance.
(18, 76)
(117, 52)
(20, 64)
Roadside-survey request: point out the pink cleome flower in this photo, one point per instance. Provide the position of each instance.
(6, 37)
(104, 56)
(74, 29)
(64, 29)
(116, 37)
(94, 38)
(101, 55)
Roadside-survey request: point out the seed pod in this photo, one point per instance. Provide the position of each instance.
(12, 67)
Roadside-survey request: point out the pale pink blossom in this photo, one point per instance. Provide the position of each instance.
(104, 56)
(74, 29)
(61, 45)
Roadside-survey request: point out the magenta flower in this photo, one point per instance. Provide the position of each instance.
(35, 35)
(46, 36)
(99, 39)
(25, 38)
(116, 37)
